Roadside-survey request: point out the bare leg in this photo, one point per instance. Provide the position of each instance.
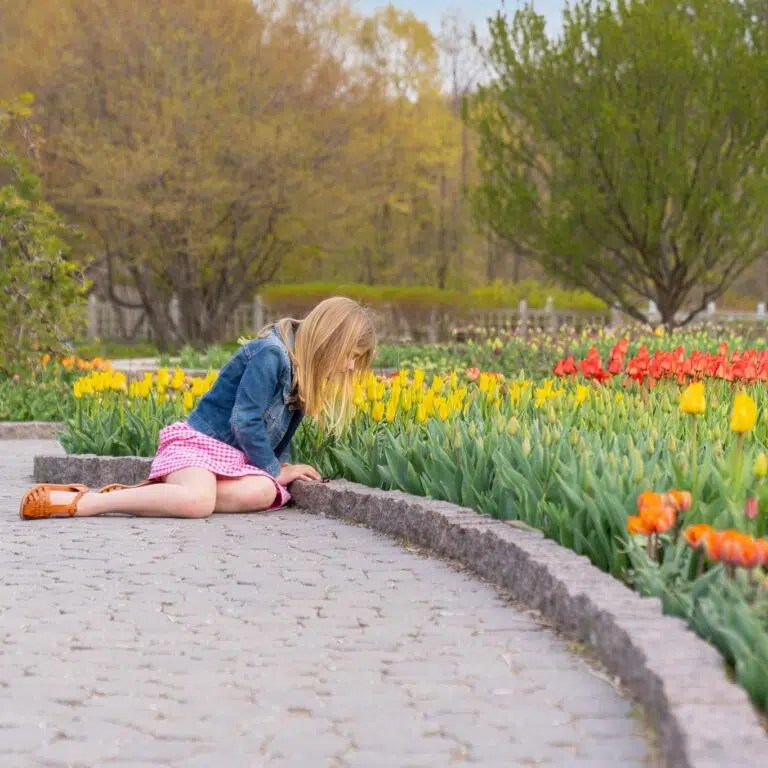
(245, 494)
(187, 493)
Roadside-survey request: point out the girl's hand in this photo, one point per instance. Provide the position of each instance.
(291, 472)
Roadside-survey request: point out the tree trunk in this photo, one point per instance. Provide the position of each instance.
(442, 238)
(490, 259)
(158, 316)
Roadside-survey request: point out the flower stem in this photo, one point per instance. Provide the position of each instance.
(739, 457)
(694, 456)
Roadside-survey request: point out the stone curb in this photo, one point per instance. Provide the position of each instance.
(29, 430)
(91, 470)
(702, 719)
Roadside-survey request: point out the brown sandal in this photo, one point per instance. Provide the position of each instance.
(118, 487)
(36, 504)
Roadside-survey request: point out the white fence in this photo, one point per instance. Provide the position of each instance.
(106, 321)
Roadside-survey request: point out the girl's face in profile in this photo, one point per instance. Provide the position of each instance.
(352, 363)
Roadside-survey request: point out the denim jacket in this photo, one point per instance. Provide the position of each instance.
(251, 406)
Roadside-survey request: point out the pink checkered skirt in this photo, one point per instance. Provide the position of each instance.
(182, 447)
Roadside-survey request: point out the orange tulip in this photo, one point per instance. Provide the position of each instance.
(680, 500)
(648, 499)
(762, 551)
(636, 526)
(735, 548)
(660, 518)
(696, 535)
(653, 518)
(738, 548)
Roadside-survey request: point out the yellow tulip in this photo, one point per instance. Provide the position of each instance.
(118, 382)
(421, 413)
(442, 411)
(371, 389)
(582, 393)
(744, 413)
(189, 401)
(693, 399)
(378, 411)
(163, 378)
(391, 409)
(177, 382)
(199, 387)
(760, 468)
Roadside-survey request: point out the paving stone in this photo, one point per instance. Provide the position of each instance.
(274, 640)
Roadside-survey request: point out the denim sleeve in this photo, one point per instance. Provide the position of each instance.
(285, 456)
(254, 393)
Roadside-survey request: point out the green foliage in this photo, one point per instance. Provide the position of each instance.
(502, 349)
(627, 156)
(507, 352)
(115, 425)
(301, 296)
(42, 291)
(113, 349)
(500, 296)
(36, 395)
(732, 615)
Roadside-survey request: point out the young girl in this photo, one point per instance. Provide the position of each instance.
(231, 454)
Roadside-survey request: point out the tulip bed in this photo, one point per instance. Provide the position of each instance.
(112, 417)
(43, 391)
(509, 350)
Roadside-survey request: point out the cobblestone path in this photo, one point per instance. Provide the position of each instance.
(276, 640)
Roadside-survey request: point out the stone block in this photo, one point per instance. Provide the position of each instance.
(90, 470)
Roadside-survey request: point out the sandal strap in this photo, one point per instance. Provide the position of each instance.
(36, 504)
(72, 508)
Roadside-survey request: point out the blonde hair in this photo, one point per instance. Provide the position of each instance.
(336, 331)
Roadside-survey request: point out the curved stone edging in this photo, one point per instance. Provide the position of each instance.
(702, 719)
(91, 470)
(29, 430)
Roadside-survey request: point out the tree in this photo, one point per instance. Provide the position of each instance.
(404, 143)
(192, 139)
(41, 291)
(629, 156)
